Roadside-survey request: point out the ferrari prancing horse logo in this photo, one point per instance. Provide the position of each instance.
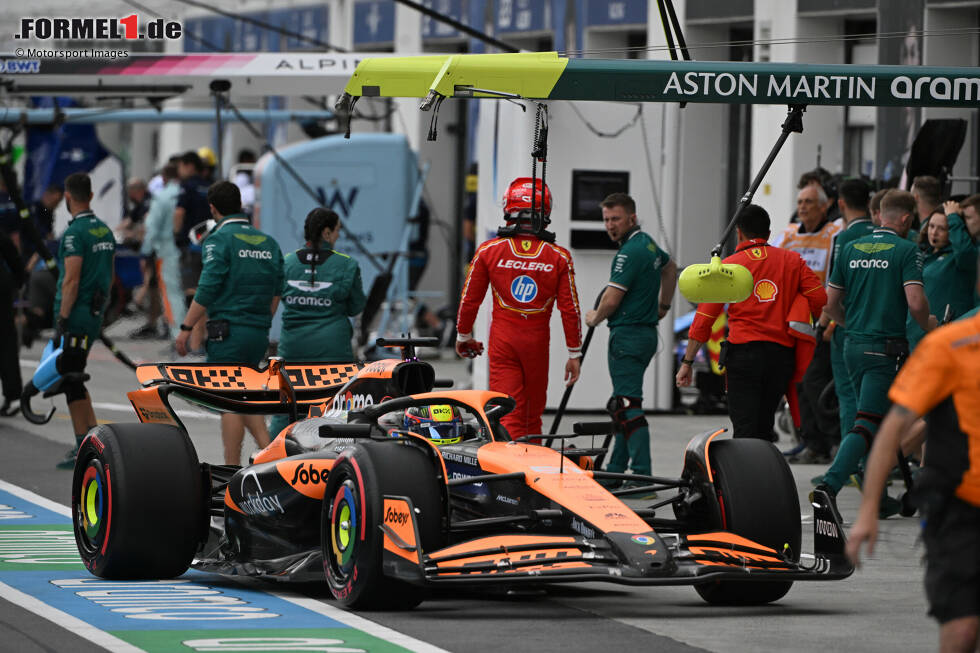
(526, 245)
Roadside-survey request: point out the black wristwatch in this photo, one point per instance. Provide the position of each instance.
(685, 361)
(184, 327)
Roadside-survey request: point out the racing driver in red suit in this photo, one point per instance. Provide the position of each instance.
(527, 273)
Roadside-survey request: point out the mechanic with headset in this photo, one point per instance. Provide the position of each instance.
(239, 290)
(87, 249)
(761, 355)
(321, 291)
(938, 381)
(876, 281)
(638, 295)
(527, 274)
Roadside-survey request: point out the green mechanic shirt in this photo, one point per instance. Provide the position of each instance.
(950, 275)
(90, 238)
(855, 229)
(636, 271)
(961, 240)
(316, 307)
(873, 271)
(242, 273)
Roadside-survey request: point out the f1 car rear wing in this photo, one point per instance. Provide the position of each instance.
(277, 388)
(293, 388)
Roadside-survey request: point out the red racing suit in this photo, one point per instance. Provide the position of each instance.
(526, 276)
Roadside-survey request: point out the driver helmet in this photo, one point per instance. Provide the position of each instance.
(517, 199)
(441, 423)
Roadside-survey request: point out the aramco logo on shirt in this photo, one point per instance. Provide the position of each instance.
(524, 289)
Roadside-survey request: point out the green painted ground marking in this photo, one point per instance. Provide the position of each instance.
(325, 640)
(34, 548)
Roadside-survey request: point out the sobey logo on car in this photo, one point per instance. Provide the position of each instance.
(307, 474)
(395, 516)
(524, 289)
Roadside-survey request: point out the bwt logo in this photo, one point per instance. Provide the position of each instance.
(524, 289)
(337, 201)
(19, 66)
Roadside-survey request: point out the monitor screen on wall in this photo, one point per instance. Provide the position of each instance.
(589, 188)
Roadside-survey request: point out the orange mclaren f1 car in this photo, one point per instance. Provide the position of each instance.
(384, 513)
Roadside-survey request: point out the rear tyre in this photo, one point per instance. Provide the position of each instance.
(353, 505)
(137, 504)
(758, 500)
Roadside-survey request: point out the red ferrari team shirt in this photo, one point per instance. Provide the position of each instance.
(527, 277)
(779, 276)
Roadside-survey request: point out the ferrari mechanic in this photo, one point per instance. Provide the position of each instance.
(638, 295)
(527, 273)
(760, 359)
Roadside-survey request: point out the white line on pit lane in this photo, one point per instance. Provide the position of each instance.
(28, 602)
(114, 644)
(73, 624)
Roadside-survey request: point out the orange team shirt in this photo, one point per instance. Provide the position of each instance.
(780, 275)
(816, 248)
(945, 363)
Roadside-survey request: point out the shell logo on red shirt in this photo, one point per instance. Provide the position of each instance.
(765, 290)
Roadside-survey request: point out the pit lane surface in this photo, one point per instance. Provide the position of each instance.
(881, 607)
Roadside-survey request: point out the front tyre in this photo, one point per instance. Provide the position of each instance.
(352, 539)
(758, 500)
(137, 505)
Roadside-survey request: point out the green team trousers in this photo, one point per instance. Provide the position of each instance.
(872, 372)
(631, 348)
(843, 386)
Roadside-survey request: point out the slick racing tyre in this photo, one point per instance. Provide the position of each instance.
(137, 504)
(353, 513)
(758, 500)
